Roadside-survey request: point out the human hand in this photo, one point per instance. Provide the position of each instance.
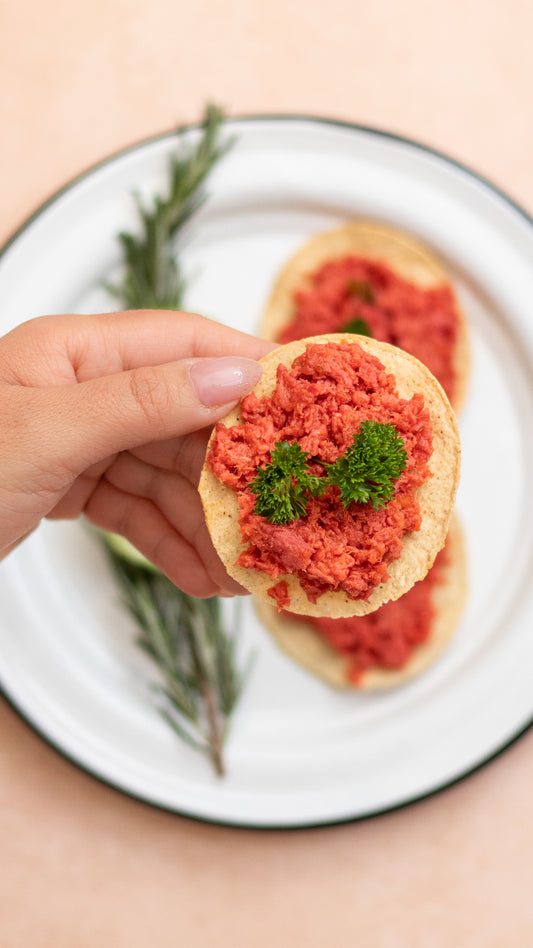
(108, 416)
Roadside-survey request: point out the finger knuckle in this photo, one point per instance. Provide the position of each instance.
(151, 393)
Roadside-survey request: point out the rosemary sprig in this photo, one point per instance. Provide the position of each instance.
(185, 637)
(152, 277)
(195, 656)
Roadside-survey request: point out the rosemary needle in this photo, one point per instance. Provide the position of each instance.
(152, 277)
(184, 637)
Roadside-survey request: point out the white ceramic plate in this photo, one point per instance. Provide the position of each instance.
(299, 754)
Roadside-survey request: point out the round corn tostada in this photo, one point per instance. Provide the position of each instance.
(406, 257)
(435, 496)
(309, 648)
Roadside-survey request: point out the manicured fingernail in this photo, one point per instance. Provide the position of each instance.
(219, 381)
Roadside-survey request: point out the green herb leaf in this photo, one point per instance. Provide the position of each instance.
(284, 486)
(367, 470)
(152, 277)
(358, 326)
(365, 473)
(362, 290)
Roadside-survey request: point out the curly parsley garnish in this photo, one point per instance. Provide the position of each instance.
(362, 290)
(367, 470)
(364, 474)
(358, 326)
(284, 486)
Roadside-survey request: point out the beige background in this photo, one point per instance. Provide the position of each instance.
(80, 864)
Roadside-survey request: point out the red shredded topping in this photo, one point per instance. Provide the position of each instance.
(388, 637)
(280, 594)
(422, 321)
(320, 402)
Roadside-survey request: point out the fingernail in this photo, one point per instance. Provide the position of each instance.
(218, 381)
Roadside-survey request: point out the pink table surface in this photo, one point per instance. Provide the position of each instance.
(82, 865)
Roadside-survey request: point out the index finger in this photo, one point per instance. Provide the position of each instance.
(114, 342)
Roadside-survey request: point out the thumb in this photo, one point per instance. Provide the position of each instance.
(118, 412)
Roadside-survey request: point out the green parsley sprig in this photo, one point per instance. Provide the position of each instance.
(358, 326)
(361, 289)
(284, 485)
(364, 474)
